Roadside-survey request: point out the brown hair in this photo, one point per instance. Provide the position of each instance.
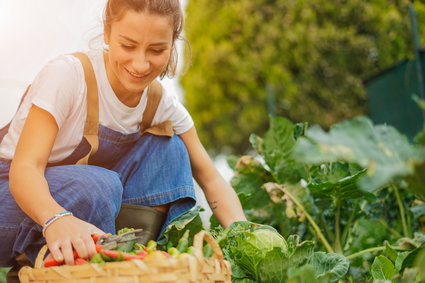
(115, 9)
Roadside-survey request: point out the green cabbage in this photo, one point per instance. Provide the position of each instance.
(266, 240)
(260, 253)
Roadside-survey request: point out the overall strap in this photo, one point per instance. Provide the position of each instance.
(91, 126)
(154, 97)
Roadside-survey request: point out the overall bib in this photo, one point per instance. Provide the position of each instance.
(139, 169)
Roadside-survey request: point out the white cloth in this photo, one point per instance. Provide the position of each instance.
(60, 89)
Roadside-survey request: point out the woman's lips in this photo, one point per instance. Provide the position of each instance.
(135, 76)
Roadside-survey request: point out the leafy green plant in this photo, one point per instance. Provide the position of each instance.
(290, 191)
(190, 220)
(382, 150)
(382, 268)
(349, 189)
(400, 265)
(259, 253)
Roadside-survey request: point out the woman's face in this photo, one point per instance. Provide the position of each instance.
(140, 46)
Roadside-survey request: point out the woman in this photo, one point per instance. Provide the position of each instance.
(52, 199)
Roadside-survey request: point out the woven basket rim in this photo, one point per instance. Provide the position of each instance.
(193, 266)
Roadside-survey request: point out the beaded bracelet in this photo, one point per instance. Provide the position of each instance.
(54, 218)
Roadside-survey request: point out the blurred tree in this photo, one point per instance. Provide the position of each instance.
(313, 54)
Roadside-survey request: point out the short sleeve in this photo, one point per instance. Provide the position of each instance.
(57, 86)
(170, 108)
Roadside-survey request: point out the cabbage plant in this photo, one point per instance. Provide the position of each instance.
(259, 253)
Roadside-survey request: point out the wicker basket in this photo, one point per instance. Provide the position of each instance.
(188, 269)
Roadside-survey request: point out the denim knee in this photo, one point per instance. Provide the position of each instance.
(177, 147)
(170, 148)
(92, 193)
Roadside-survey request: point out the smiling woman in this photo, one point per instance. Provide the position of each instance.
(138, 53)
(98, 132)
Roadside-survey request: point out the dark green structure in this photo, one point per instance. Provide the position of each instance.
(390, 93)
(390, 97)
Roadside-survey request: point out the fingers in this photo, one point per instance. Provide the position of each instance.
(67, 252)
(69, 249)
(91, 247)
(84, 246)
(71, 237)
(80, 247)
(55, 251)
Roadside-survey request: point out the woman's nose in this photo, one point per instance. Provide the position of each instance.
(141, 64)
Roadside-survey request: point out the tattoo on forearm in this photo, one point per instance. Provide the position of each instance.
(213, 204)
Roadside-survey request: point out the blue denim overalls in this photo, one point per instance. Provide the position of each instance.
(146, 170)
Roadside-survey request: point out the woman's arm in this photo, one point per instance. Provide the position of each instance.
(30, 189)
(220, 195)
(28, 165)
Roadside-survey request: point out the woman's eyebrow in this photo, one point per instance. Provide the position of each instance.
(127, 38)
(159, 44)
(135, 42)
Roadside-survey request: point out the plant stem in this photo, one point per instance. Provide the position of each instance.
(338, 248)
(312, 222)
(376, 249)
(324, 225)
(278, 210)
(409, 224)
(348, 224)
(401, 208)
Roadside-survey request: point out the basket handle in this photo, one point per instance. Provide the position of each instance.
(198, 245)
(40, 257)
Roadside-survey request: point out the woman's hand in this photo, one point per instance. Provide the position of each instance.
(68, 233)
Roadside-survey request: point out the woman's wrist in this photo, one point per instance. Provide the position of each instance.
(45, 209)
(55, 218)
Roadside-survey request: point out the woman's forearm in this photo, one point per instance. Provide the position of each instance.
(223, 201)
(31, 192)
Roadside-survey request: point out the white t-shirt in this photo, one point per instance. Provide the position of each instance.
(61, 90)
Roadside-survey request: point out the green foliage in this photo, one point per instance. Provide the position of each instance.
(400, 266)
(381, 149)
(342, 189)
(329, 187)
(330, 265)
(176, 229)
(3, 272)
(312, 55)
(420, 263)
(324, 198)
(260, 253)
(382, 268)
(276, 148)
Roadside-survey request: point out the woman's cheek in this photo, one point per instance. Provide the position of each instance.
(162, 61)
